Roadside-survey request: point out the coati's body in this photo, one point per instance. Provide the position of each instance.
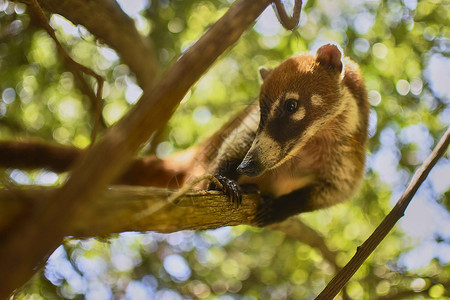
(304, 145)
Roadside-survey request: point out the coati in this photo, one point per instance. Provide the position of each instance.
(304, 145)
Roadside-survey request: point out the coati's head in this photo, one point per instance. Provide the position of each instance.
(297, 99)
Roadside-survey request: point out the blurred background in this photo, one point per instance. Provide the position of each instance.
(403, 48)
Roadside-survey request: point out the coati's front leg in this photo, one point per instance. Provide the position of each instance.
(231, 153)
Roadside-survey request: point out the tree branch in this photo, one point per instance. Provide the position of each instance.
(37, 154)
(123, 208)
(144, 171)
(363, 251)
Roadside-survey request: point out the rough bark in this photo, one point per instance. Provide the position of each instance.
(134, 208)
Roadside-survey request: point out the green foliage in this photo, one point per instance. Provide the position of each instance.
(403, 49)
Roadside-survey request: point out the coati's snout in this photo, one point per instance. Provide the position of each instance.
(250, 166)
(263, 155)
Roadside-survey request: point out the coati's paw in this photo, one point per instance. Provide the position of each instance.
(230, 187)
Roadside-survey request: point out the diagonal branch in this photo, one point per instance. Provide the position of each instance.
(153, 110)
(363, 251)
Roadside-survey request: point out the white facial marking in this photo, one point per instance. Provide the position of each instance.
(316, 100)
(292, 95)
(299, 114)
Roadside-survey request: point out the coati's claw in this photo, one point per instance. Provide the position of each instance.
(230, 187)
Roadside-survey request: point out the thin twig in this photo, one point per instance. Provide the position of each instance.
(289, 23)
(44, 22)
(363, 251)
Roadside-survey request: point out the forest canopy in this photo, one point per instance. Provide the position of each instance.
(403, 49)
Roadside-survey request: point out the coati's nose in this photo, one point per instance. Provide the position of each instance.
(249, 167)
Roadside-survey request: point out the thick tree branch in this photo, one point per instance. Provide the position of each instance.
(37, 154)
(363, 251)
(124, 208)
(144, 171)
(106, 20)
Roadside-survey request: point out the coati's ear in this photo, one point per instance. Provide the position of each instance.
(264, 72)
(330, 57)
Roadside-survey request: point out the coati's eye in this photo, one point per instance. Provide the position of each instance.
(291, 105)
